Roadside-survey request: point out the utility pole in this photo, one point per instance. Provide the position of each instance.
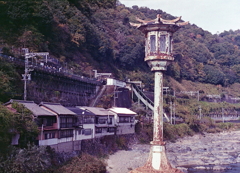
(222, 115)
(174, 108)
(171, 112)
(200, 112)
(27, 76)
(174, 112)
(198, 95)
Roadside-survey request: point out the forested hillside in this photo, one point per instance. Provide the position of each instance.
(95, 34)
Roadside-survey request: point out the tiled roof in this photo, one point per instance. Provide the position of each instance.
(97, 111)
(57, 108)
(122, 111)
(80, 111)
(33, 107)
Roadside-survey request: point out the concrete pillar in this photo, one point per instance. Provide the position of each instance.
(158, 109)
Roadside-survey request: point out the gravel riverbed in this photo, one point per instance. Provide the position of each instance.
(192, 152)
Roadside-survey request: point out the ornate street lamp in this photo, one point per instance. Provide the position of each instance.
(158, 53)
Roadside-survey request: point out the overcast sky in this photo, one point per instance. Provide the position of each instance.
(211, 15)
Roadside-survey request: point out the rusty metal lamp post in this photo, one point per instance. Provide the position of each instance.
(158, 53)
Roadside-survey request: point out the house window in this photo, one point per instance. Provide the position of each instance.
(80, 120)
(49, 121)
(66, 122)
(87, 131)
(109, 120)
(49, 135)
(104, 129)
(46, 136)
(88, 120)
(111, 129)
(131, 119)
(124, 119)
(101, 120)
(170, 44)
(152, 43)
(66, 133)
(98, 130)
(162, 43)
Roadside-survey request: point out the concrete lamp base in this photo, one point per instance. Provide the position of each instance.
(157, 162)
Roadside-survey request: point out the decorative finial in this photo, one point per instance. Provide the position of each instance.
(159, 20)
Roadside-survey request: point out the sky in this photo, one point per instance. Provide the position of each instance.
(215, 16)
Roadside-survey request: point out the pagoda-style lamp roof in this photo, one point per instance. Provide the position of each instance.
(159, 20)
(158, 34)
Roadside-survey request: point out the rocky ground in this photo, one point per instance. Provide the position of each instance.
(207, 151)
(124, 161)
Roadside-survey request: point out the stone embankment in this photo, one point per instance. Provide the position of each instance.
(207, 151)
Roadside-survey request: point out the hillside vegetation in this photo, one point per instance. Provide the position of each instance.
(95, 34)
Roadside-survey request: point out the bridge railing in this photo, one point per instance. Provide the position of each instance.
(50, 69)
(220, 116)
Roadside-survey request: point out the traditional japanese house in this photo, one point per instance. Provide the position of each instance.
(66, 121)
(84, 127)
(104, 121)
(125, 120)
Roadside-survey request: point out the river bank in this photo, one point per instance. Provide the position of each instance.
(197, 152)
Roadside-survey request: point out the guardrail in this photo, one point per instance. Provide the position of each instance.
(50, 69)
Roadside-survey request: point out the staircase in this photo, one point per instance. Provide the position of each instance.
(93, 103)
(145, 100)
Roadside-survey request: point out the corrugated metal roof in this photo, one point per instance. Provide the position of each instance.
(36, 110)
(122, 111)
(80, 111)
(58, 108)
(97, 111)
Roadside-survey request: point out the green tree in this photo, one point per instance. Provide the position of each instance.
(213, 75)
(24, 125)
(20, 123)
(6, 122)
(10, 82)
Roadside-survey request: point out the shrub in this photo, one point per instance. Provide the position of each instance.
(213, 130)
(224, 126)
(144, 132)
(121, 142)
(207, 121)
(183, 130)
(193, 123)
(83, 164)
(172, 132)
(28, 160)
(169, 132)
